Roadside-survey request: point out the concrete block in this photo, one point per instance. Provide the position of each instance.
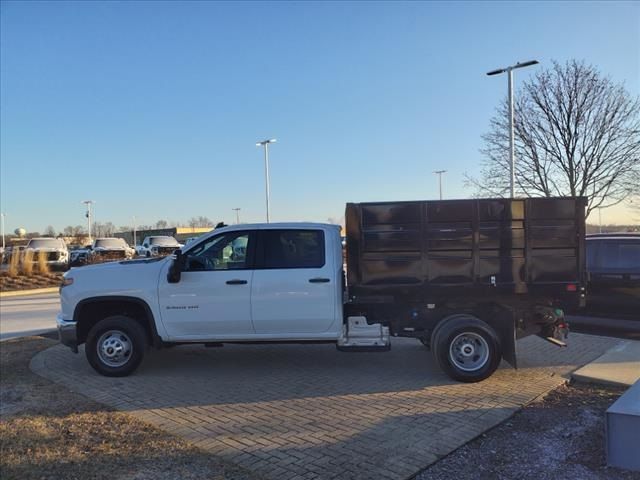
(622, 424)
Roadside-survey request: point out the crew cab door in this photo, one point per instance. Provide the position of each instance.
(213, 297)
(294, 289)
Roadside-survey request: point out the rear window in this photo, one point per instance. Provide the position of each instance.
(611, 256)
(293, 248)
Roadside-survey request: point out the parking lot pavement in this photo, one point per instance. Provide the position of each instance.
(308, 411)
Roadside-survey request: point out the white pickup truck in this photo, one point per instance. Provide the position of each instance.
(284, 282)
(157, 246)
(243, 283)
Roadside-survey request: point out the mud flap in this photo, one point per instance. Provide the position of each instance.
(506, 330)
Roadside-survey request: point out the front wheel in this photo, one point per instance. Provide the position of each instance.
(115, 346)
(466, 348)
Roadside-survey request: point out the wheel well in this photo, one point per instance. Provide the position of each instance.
(90, 312)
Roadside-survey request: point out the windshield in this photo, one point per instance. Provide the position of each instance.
(163, 241)
(45, 243)
(110, 243)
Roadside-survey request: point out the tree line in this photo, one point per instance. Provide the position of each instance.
(108, 229)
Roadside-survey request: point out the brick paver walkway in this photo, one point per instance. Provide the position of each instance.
(308, 411)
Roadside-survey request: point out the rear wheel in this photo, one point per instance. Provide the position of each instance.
(466, 348)
(115, 346)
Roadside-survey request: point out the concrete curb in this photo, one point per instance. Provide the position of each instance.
(35, 291)
(619, 366)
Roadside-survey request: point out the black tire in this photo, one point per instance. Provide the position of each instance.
(466, 348)
(148, 255)
(121, 334)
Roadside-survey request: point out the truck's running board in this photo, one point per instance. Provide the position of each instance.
(358, 336)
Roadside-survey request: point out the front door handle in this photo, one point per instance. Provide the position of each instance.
(319, 280)
(236, 282)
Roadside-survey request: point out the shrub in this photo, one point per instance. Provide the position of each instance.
(43, 266)
(27, 262)
(14, 263)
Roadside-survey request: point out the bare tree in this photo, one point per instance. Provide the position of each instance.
(200, 222)
(162, 224)
(576, 133)
(49, 231)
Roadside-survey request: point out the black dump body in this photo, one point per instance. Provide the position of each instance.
(510, 251)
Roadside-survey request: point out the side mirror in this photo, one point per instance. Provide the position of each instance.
(175, 270)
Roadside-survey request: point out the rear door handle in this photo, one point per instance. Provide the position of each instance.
(236, 282)
(319, 280)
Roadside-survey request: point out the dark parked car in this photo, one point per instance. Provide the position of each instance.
(613, 266)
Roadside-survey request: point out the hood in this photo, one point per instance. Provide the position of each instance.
(47, 249)
(124, 266)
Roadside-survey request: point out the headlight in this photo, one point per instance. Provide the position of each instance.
(66, 281)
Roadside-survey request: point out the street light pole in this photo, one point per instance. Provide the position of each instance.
(134, 231)
(237, 210)
(439, 173)
(512, 152)
(2, 215)
(265, 144)
(89, 203)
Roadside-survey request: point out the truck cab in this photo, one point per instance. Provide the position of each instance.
(246, 283)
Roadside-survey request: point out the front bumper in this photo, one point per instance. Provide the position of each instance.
(67, 333)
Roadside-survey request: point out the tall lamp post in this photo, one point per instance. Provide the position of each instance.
(509, 71)
(2, 215)
(265, 144)
(237, 210)
(439, 173)
(134, 232)
(89, 204)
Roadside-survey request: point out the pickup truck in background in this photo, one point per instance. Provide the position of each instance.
(465, 277)
(108, 249)
(157, 246)
(54, 250)
(613, 270)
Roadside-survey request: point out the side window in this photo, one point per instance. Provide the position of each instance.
(293, 248)
(223, 252)
(619, 257)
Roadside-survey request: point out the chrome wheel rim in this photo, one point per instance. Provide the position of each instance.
(114, 348)
(469, 351)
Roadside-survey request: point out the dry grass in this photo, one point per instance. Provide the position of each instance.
(27, 262)
(43, 266)
(14, 264)
(48, 432)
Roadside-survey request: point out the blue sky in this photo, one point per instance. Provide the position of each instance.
(153, 109)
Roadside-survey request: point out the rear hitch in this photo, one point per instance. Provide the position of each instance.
(556, 329)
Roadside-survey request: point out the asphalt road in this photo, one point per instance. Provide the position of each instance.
(28, 315)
